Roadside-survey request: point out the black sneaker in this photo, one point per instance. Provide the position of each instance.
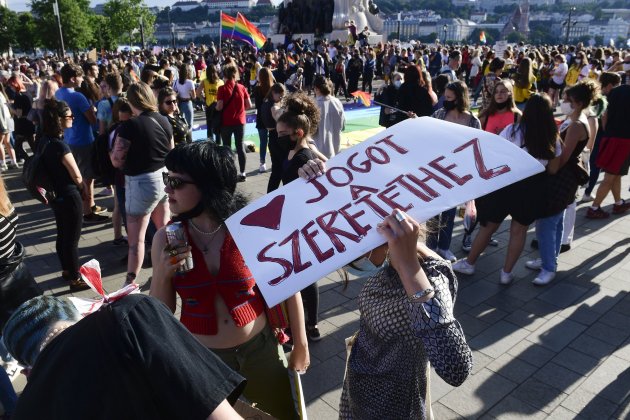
(95, 218)
(313, 333)
(241, 178)
(122, 241)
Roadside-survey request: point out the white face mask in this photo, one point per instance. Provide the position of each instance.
(566, 108)
(626, 66)
(578, 60)
(363, 267)
(397, 83)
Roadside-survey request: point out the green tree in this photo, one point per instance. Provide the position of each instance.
(124, 19)
(75, 22)
(514, 37)
(103, 36)
(8, 25)
(29, 38)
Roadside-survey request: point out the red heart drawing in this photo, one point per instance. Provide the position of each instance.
(268, 217)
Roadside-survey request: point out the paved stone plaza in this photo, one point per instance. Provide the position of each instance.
(560, 351)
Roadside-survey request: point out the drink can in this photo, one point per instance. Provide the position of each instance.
(176, 237)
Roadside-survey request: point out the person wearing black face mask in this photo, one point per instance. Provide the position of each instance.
(296, 127)
(501, 112)
(455, 109)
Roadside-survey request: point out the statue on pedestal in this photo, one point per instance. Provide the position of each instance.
(324, 16)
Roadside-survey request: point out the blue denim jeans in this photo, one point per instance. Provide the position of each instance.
(186, 108)
(263, 135)
(442, 230)
(549, 235)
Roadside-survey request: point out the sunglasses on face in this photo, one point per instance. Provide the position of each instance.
(170, 102)
(174, 183)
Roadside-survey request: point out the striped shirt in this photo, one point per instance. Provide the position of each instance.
(8, 227)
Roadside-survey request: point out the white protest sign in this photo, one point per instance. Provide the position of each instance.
(298, 234)
(499, 48)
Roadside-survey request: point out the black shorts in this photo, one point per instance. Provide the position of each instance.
(556, 86)
(522, 200)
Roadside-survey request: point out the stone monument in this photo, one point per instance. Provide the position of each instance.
(326, 17)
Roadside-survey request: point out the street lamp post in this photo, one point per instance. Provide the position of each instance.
(142, 33)
(444, 28)
(568, 23)
(56, 13)
(399, 19)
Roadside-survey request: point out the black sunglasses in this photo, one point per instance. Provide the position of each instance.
(173, 182)
(170, 102)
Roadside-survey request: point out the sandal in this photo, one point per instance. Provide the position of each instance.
(78, 285)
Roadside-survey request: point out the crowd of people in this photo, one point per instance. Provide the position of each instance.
(126, 121)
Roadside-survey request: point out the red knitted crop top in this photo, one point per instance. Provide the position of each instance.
(234, 283)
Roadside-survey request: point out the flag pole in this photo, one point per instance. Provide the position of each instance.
(233, 28)
(390, 107)
(220, 32)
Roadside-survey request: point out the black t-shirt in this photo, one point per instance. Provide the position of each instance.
(290, 172)
(150, 135)
(55, 150)
(129, 360)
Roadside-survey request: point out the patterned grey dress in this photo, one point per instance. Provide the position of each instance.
(387, 369)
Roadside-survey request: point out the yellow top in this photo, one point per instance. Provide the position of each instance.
(210, 90)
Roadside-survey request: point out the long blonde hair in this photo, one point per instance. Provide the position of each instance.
(6, 208)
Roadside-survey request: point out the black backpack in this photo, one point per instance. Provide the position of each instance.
(34, 175)
(101, 163)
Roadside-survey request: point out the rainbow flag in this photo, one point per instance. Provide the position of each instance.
(257, 39)
(364, 97)
(482, 37)
(227, 26)
(291, 60)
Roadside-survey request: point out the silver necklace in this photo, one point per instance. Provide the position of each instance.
(205, 233)
(210, 234)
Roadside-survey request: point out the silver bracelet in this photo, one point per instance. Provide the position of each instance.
(420, 295)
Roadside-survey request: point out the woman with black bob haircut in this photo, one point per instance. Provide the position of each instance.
(60, 166)
(221, 304)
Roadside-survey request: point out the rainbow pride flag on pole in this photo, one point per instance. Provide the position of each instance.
(248, 31)
(227, 26)
(364, 97)
(482, 37)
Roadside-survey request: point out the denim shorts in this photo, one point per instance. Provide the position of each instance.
(143, 193)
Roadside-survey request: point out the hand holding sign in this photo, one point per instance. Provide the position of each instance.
(421, 166)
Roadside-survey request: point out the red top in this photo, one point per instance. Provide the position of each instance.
(234, 283)
(497, 122)
(234, 113)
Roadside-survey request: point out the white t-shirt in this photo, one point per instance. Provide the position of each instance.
(560, 73)
(183, 90)
(517, 139)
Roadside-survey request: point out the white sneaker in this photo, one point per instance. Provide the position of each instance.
(462, 266)
(263, 168)
(506, 278)
(586, 198)
(544, 278)
(447, 254)
(534, 264)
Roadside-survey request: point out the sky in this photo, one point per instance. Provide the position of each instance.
(22, 5)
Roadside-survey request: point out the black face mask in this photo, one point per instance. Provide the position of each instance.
(187, 215)
(287, 140)
(449, 105)
(502, 105)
